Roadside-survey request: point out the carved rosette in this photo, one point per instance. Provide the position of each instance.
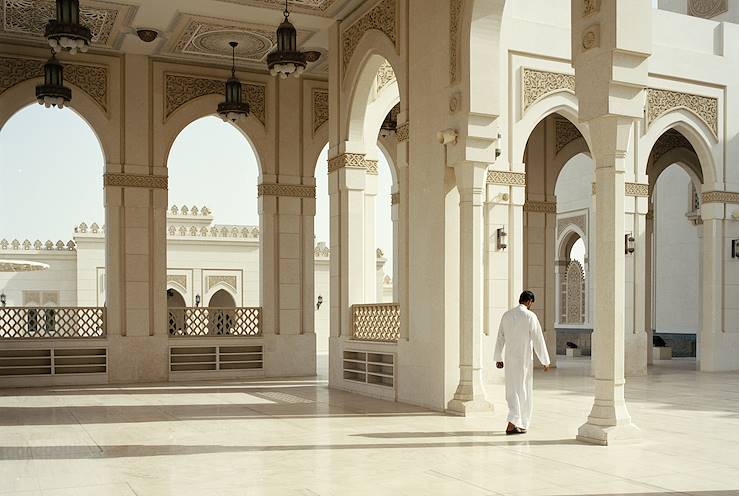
(350, 160)
(135, 181)
(288, 190)
(538, 84)
(543, 207)
(320, 107)
(505, 178)
(565, 132)
(455, 15)
(707, 9)
(180, 89)
(659, 102)
(402, 132)
(720, 197)
(381, 17)
(92, 79)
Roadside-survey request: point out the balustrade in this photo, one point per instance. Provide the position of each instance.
(52, 322)
(211, 321)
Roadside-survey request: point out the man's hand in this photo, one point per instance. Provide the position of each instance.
(499, 365)
(546, 368)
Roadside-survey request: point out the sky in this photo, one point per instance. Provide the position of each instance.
(51, 168)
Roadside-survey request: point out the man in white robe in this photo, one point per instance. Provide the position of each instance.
(519, 333)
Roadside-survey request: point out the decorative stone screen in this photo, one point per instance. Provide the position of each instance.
(572, 294)
(57, 322)
(209, 321)
(376, 322)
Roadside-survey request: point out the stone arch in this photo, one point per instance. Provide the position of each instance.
(700, 137)
(177, 288)
(221, 298)
(567, 239)
(220, 288)
(22, 95)
(205, 106)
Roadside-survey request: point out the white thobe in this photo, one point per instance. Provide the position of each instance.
(519, 333)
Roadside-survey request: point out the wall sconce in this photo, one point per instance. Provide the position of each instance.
(734, 252)
(629, 244)
(498, 150)
(500, 236)
(319, 302)
(197, 300)
(3, 300)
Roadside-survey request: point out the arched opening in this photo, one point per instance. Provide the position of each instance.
(213, 219)
(321, 261)
(674, 237)
(47, 155)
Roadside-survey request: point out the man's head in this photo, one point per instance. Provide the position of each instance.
(527, 298)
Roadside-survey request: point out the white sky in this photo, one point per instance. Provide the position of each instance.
(51, 167)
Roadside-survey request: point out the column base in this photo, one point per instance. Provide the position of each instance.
(466, 408)
(606, 435)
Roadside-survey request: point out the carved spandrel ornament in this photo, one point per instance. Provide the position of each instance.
(227, 280)
(402, 133)
(92, 79)
(538, 84)
(385, 75)
(565, 133)
(659, 102)
(381, 17)
(319, 107)
(707, 9)
(670, 140)
(180, 279)
(180, 89)
(579, 221)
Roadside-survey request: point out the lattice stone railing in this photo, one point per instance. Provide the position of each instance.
(52, 322)
(379, 322)
(211, 321)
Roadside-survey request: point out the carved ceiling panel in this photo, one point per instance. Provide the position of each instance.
(707, 9)
(315, 7)
(27, 19)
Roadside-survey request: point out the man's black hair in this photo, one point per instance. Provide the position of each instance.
(526, 297)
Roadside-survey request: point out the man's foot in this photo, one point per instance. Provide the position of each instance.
(512, 429)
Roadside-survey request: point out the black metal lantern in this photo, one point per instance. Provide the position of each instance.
(234, 108)
(286, 60)
(389, 125)
(53, 93)
(65, 32)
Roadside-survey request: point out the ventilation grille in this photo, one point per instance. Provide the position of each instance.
(370, 368)
(53, 361)
(214, 358)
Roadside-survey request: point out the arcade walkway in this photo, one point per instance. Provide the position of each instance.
(295, 437)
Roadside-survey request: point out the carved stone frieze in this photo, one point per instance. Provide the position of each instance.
(135, 181)
(381, 17)
(92, 79)
(636, 189)
(455, 17)
(538, 84)
(319, 107)
(579, 221)
(402, 132)
(707, 9)
(350, 160)
(371, 166)
(288, 190)
(565, 132)
(720, 197)
(540, 207)
(180, 89)
(659, 102)
(180, 279)
(506, 178)
(214, 280)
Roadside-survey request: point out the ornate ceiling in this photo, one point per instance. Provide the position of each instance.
(319, 7)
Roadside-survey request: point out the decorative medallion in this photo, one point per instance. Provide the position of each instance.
(350, 160)
(286, 190)
(455, 17)
(320, 107)
(720, 197)
(29, 17)
(177, 279)
(210, 38)
(591, 37)
(180, 89)
(227, 280)
(381, 17)
(92, 79)
(402, 132)
(707, 9)
(565, 132)
(538, 84)
(540, 207)
(135, 181)
(505, 178)
(659, 102)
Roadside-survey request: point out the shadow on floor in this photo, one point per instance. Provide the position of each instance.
(126, 451)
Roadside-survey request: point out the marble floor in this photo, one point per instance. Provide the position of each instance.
(295, 437)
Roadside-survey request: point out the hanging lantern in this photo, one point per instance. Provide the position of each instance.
(53, 93)
(389, 125)
(65, 32)
(234, 108)
(286, 60)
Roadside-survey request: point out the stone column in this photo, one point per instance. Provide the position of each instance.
(712, 333)
(370, 243)
(609, 419)
(402, 261)
(470, 394)
(649, 274)
(395, 214)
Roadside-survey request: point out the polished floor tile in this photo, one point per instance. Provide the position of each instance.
(297, 437)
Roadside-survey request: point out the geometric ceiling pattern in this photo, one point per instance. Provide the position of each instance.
(27, 19)
(315, 7)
